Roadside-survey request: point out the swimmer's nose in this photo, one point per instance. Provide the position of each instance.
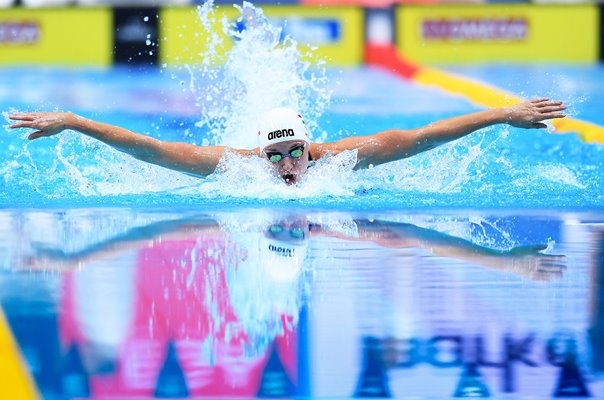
(287, 163)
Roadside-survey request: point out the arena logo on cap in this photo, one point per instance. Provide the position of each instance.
(280, 133)
(282, 251)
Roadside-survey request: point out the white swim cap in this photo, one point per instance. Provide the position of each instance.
(282, 261)
(281, 125)
(265, 285)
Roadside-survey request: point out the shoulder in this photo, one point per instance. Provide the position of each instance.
(333, 148)
(321, 150)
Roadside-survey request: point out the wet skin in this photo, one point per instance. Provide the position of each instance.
(290, 169)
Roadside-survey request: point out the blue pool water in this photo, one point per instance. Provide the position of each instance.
(148, 303)
(472, 270)
(494, 168)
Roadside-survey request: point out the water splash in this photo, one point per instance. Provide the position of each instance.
(263, 70)
(451, 168)
(558, 174)
(252, 178)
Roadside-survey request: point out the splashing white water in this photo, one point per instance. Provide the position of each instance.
(251, 177)
(262, 71)
(448, 169)
(558, 174)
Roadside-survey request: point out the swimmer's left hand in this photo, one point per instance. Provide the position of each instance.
(529, 114)
(530, 262)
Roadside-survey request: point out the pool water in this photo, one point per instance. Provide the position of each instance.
(498, 167)
(472, 270)
(136, 303)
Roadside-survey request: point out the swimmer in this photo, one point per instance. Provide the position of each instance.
(284, 140)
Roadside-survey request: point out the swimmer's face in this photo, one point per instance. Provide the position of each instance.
(289, 166)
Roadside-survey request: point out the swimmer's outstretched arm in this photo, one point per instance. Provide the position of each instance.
(133, 240)
(183, 157)
(396, 144)
(528, 260)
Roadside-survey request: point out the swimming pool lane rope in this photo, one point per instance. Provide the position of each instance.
(386, 56)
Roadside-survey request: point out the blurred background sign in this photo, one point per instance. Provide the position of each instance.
(498, 33)
(335, 34)
(67, 36)
(166, 32)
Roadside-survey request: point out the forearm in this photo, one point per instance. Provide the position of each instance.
(395, 144)
(450, 129)
(394, 234)
(140, 146)
(443, 245)
(184, 157)
(135, 239)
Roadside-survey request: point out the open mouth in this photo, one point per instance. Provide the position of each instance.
(290, 179)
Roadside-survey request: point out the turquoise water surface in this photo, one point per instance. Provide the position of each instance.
(496, 167)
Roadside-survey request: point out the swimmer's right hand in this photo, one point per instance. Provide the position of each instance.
(45, 123)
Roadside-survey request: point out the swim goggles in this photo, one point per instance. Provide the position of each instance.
(294, 233)
(296, 152)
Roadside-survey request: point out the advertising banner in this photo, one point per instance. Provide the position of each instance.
(375, 3)
(458, 34)
(66, 36)
(334, 34)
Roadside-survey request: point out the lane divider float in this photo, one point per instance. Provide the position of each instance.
(480, 93)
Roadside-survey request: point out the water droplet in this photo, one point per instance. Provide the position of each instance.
(146, 19)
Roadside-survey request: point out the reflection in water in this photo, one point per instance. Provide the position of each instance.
(280, 304)
(596, 330)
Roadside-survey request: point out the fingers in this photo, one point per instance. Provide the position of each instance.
(21, 125)
(543, 108)
(547, 102)
(37, 134)
(550, 108)
(553, 115)
(543, 276)
(33, 135)
(29, 124)
(23, 116)
(545, 105)
(553, 262)
(27, 118)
